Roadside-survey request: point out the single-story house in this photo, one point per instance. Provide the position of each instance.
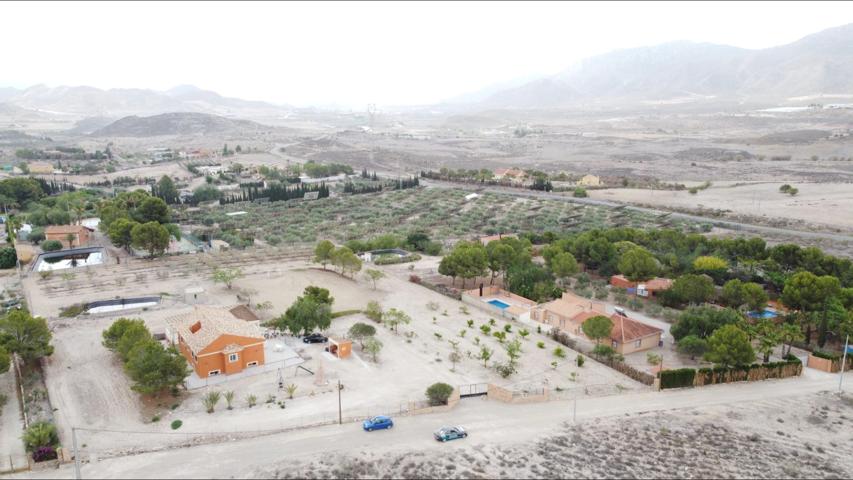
(79, 235)
(649, 288)
(629, 336)
(590, 181)
(568, 312)
(215, 342)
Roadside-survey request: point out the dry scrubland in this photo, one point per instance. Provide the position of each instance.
(818, 204)
(794, 437)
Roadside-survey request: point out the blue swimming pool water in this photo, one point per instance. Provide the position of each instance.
(767, 313)
(499, 304)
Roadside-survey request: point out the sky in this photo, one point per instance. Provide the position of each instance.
(350, 54)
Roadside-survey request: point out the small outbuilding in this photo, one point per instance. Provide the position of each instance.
(339, 347)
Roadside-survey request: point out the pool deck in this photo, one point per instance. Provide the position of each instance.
(518, 307)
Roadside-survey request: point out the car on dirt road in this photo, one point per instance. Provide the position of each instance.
(315, 338)
(378, 422)
(444, 434)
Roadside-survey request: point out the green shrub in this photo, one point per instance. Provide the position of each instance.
(826, 355)
(40, 434)
(438, 393)
(344, 313)
(71, 311)
(679, 378)
(176, 424)
(51, 245)
(540, 344)
(8, 257)
(580, 360)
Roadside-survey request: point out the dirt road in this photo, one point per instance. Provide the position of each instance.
(489, 423)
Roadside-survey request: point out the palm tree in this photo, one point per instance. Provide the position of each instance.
(70, 238)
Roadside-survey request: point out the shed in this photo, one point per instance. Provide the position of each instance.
(341, 348)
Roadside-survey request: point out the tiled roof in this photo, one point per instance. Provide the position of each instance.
(63, 229)
(243, 313)
(214, 322)
(626, 330)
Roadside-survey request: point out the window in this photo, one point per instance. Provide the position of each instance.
(637, 343)
(252, 364)
(213, 373)
(232, 358)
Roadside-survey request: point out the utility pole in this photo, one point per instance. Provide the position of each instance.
(76, 453)
(340, 415)
(843, 362)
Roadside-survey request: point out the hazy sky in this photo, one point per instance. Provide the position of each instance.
(356, 53)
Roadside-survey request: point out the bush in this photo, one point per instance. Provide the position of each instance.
(438, 393)
(176, 424)
(8, 257)
(344, 313)
(579, 360)
(40, 434)
(605, 351)
(679, 378)
(72, 311)
(579, 192)
(825, 355)
(51, 245)
(540, 344)
(43, 454)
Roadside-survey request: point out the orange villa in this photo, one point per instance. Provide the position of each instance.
(215, 342)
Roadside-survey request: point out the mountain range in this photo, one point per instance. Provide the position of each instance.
(85, 101)
(819, 64)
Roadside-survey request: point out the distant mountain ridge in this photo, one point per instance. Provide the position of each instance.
(821, 63)
(176, 123)
(118, 102)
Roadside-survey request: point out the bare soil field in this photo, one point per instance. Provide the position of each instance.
(794, 437)
(816, 203)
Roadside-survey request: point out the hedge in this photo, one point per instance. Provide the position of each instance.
(746, 373)
(344, 313)
(393, 260)
(682, 377)
(826, 355)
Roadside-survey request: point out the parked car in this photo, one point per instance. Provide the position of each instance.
(315, 338)
(444, 434)
(378, 422)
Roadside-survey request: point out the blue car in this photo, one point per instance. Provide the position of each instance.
(450, 433)
(378, 423)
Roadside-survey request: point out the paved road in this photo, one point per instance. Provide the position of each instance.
(605, 203)
(488, 421)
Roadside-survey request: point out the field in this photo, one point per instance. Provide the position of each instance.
(784, 438)
(816, 204)
(444, 213)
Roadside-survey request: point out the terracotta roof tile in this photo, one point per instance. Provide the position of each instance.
(626, 330)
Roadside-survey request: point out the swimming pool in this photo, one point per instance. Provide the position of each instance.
(498, 303)
(766, 313)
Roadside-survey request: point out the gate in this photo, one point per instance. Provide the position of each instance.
(474, 390)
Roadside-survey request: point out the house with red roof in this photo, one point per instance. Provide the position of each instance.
(629, 336)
